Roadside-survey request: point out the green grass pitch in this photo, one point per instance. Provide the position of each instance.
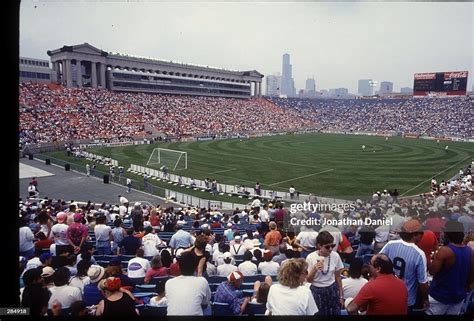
(323, 164)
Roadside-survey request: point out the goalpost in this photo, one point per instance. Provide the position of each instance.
(173, 159)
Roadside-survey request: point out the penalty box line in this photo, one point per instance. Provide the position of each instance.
(296, 178)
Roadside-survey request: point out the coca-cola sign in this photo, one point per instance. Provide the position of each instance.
(455, 74)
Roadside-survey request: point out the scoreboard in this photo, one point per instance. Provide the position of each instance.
(450, 83)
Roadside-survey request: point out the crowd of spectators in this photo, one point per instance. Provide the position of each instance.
(55, 113)
(322, 269)
(49, 114)
(434, 117)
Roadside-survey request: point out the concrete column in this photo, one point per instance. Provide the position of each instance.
(93, 74)
(78, 73)
(102, 76)
(258, 88)
(68, 73)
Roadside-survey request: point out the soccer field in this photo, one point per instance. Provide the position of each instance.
(323, 164)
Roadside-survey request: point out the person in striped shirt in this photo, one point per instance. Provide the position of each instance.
(409, 264)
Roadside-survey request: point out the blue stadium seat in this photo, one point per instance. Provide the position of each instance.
(253, 278)
(137, 281)
(221, 309)
(151, 311)
(157, 279)
(140, 295)
(255, 308)
(145, 287)
(213, 286)
(216, 279)
(247, 293)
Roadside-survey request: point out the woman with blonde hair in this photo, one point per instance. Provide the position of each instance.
(290, 296)
(117, 302)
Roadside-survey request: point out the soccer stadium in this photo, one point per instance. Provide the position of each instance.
(152, 188)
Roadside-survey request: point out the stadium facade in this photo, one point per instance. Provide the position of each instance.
(36, 70)
(127, 73)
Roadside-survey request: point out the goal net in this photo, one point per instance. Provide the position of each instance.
(173, 159)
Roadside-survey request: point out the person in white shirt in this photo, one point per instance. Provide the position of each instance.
(81, 278)
(352, 285)
(160, 300)
(138, 266)
(62, 292)
(237, 248)
(268, 267)
(27, 247)
(103, 236)
(307, 238)
(263, 214)
(324, 274)
(290, 296)
(226, 268)
(150, 242)
(247, 267)
(187, 294)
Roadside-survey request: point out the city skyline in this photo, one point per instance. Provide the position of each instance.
(338, 43)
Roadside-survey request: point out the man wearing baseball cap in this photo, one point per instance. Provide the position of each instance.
(409, 264)
(228, 292)
(452, 269)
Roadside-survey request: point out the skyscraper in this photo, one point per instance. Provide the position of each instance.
(364, 87)
(287, 83)
(386, 87)
(310, 90)
(273, 85)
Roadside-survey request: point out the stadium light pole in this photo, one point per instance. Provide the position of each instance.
(373, 84)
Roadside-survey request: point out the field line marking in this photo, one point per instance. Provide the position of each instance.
(294, 179)
(429, 179)
(222, 171)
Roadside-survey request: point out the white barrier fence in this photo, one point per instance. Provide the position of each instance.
(222, 189)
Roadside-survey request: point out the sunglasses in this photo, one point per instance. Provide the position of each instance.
(329, 246)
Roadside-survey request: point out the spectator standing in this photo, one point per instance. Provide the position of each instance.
(129, 185)
(324, 274)
(103, 236)
(409, 264)
(273, 238)
(452, 270)
(77, 233)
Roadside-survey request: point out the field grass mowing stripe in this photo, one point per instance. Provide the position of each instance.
(411, 189)
(222, 171)
(294, 179)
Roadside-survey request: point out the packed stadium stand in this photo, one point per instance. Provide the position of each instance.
(81, 113)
